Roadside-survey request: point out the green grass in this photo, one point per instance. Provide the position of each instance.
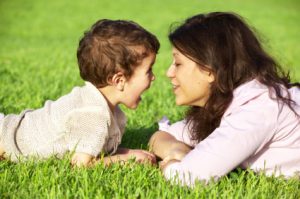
(38, 42)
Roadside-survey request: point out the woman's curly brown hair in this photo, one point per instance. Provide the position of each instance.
(225, 45)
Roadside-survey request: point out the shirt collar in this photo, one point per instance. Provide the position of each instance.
(117, 116)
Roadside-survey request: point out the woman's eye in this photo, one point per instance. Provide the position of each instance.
(176, 64)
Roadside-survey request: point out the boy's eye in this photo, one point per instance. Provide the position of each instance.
(149, 71)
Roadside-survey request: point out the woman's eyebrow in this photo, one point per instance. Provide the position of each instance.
(175, 54)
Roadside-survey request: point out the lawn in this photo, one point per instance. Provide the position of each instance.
(38, 62)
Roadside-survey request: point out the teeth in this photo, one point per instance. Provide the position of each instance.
(174, 86)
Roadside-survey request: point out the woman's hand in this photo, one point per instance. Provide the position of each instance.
(176, 155)
(163, 144)
(166, 162)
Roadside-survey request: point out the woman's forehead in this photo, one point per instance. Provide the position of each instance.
(175, 52)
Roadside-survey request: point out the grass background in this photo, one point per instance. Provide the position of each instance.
(38, 42)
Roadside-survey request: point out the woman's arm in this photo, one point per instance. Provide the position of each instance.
(240, 135)
(164, 145)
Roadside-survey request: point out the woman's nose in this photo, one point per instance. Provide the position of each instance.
(171, 71)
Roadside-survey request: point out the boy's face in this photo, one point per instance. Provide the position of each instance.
(138, 82)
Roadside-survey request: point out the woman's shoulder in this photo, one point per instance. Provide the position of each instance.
(252, 94)
(295, 94)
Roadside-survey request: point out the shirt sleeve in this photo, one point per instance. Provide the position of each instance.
(178, 129)
(241, 134)
(86, 130)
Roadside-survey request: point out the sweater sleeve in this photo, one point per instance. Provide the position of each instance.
(86, 130)
(241, 134)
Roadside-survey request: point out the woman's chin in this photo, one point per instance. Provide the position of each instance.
(179, 103)
(186, 103)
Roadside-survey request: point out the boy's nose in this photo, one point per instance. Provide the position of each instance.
(153, 77)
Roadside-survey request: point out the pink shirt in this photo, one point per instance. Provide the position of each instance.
(255, 132)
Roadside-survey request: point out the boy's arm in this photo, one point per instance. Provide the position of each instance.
(164, 145)
(123, 155)
(85, 160)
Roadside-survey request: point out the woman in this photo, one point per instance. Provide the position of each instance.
(244, 111)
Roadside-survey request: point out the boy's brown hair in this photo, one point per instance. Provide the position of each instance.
(111, 46)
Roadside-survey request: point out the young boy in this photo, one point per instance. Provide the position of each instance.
(115, 58)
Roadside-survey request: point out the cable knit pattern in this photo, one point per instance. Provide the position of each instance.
(80, 121)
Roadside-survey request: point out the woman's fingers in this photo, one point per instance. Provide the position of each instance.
(167, 161)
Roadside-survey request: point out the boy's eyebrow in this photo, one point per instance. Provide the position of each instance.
(152, 63)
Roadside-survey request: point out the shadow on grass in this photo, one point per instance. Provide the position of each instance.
(138, 138)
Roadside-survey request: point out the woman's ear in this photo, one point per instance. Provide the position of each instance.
(118, 80)
(211, 77)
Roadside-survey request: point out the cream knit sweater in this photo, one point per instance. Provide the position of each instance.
(80, 121)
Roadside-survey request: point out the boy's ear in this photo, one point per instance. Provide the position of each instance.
(118, 80)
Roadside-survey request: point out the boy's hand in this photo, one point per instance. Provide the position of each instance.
(141, 156)
(81, 159)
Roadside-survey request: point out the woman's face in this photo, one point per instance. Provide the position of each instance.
(191, 84)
